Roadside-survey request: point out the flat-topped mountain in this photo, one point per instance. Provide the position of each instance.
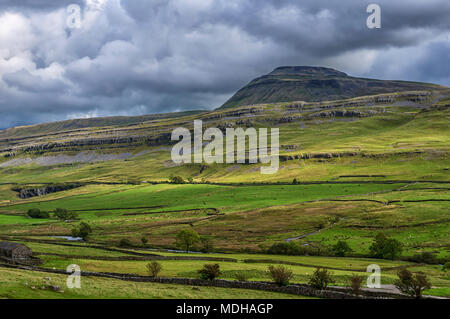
(313, 84)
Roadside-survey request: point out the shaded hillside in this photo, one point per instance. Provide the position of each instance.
(75, 124)
(311, 84)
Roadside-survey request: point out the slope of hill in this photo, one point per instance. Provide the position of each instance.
(349, 169)
(305, 83)
(75, 124)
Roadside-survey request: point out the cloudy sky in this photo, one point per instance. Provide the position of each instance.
(132, 57)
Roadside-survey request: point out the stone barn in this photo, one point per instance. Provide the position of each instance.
(15, 251)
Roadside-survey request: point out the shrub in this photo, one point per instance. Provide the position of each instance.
(207, 244)
(425, 257)
(320, 279)
(412, 284)
(144, 241)
(177, 180)
(294, 181)
(64, 214)
(154, 268)
(355, 284)
(446, 266)
(83, 231)
(241, 276)
(385, 247)
(37, 213)
(285, 249)
(341, 248)
(125, 243)
(210, 272)
(280, 275)
(186, 238)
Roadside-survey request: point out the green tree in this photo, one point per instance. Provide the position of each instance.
(154, 268)
(412, 284)
(37, 213)
(210, 272)
(446, 266)
(320, 279)
(83, 230)
(177, 180)
(186, 238)
(207, 244)
(341, 248)
(385, 247)
(144, 241)
(280, 275)
(64, 214)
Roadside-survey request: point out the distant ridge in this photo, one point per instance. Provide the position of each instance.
(313, 84)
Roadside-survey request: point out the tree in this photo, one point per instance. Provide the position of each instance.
(385, 247)
(280, 275)
(83, 231)
(207, 244)
(412, 284)
(186, 238)
(154, 268)
(446, 266)
(294, 181)
(64, 214)
(341, 248)
(320, 279)
(177, 180)
(289, 248)
(210, 272)
(144, 241)
(124, 242)
(37, 213)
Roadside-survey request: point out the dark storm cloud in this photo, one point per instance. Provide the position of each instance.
(139, 56)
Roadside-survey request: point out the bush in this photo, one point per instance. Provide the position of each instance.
(425, 258)
(446, 266)
(37, 213)
(186, 238)
(320, 279)
(207, 244)
(154, 268)
(356, 283)
(144, 241)
(280, 275)
(177, 180)
(290, 249)
(210, 272)
(125, 243)
(385, 247)
(241, 276)
(412, 284)
(83, 231)
(64, 214)
(341, 248)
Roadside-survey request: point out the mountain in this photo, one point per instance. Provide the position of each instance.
(313, 84)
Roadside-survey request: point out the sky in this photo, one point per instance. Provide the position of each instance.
(134, 57)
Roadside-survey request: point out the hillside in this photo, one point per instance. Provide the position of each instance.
(311, 84)
(349, 169)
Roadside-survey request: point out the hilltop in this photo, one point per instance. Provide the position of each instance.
(313, 84)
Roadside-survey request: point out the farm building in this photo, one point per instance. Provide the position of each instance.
(15, 251)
